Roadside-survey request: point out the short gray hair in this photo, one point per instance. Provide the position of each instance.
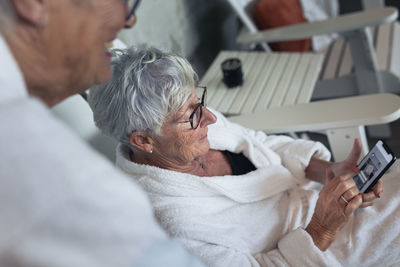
(146, 86)
(7, 14)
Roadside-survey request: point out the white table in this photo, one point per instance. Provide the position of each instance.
(269, 80)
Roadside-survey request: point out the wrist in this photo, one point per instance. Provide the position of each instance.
(321, 236)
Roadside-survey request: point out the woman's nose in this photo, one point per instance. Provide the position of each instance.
(130, 22)
(208, 117)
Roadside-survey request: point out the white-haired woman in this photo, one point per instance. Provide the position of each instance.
(234, 196)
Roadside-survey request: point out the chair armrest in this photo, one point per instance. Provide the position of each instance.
(345, 23)
(323, 115)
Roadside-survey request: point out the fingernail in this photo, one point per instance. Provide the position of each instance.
(379, 194)
(356, 170)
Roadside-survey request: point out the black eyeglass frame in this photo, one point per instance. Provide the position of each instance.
(199, 106)
(133, 9)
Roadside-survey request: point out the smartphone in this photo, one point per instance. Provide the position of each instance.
(373, 166)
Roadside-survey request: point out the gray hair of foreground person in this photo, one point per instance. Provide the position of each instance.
(146, 86)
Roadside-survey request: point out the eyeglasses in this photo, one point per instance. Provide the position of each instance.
(132, 6)
(195, 117)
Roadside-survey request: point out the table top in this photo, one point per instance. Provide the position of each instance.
(269, 80)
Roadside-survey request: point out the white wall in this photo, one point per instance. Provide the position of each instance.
(196, 29)
(165, 24)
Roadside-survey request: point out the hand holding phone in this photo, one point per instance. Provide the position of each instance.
(373, 166)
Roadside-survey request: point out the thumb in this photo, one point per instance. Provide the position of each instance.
(329, 175)
(355, 152)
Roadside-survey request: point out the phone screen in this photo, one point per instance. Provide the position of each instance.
(373, 166)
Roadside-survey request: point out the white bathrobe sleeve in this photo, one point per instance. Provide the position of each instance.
(294, 249)
(295, 154)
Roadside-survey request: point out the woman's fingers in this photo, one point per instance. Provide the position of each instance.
(355, 152)
(367, 198)
(345, 183)
(378, 188)
(354, 204)
(370, 197)
(350, 193)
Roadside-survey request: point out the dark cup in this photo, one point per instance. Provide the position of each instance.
(232, 72)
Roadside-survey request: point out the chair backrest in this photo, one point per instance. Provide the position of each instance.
(245, 9)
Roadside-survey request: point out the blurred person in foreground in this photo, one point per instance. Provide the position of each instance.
(61, 203)
(235, 196)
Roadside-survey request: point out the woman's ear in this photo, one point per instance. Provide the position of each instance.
(32, 11)
(142, 141)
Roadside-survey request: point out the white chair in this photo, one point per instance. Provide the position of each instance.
(356, 49)
(357, 63)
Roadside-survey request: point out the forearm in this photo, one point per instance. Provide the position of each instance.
(316, 170)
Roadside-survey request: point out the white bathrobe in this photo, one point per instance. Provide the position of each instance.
(256, 219)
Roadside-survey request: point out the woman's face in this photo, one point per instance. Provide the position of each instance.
(179, 142)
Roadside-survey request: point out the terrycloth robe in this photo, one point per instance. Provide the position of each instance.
(256, 219)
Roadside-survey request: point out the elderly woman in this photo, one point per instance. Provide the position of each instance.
(234, 196)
